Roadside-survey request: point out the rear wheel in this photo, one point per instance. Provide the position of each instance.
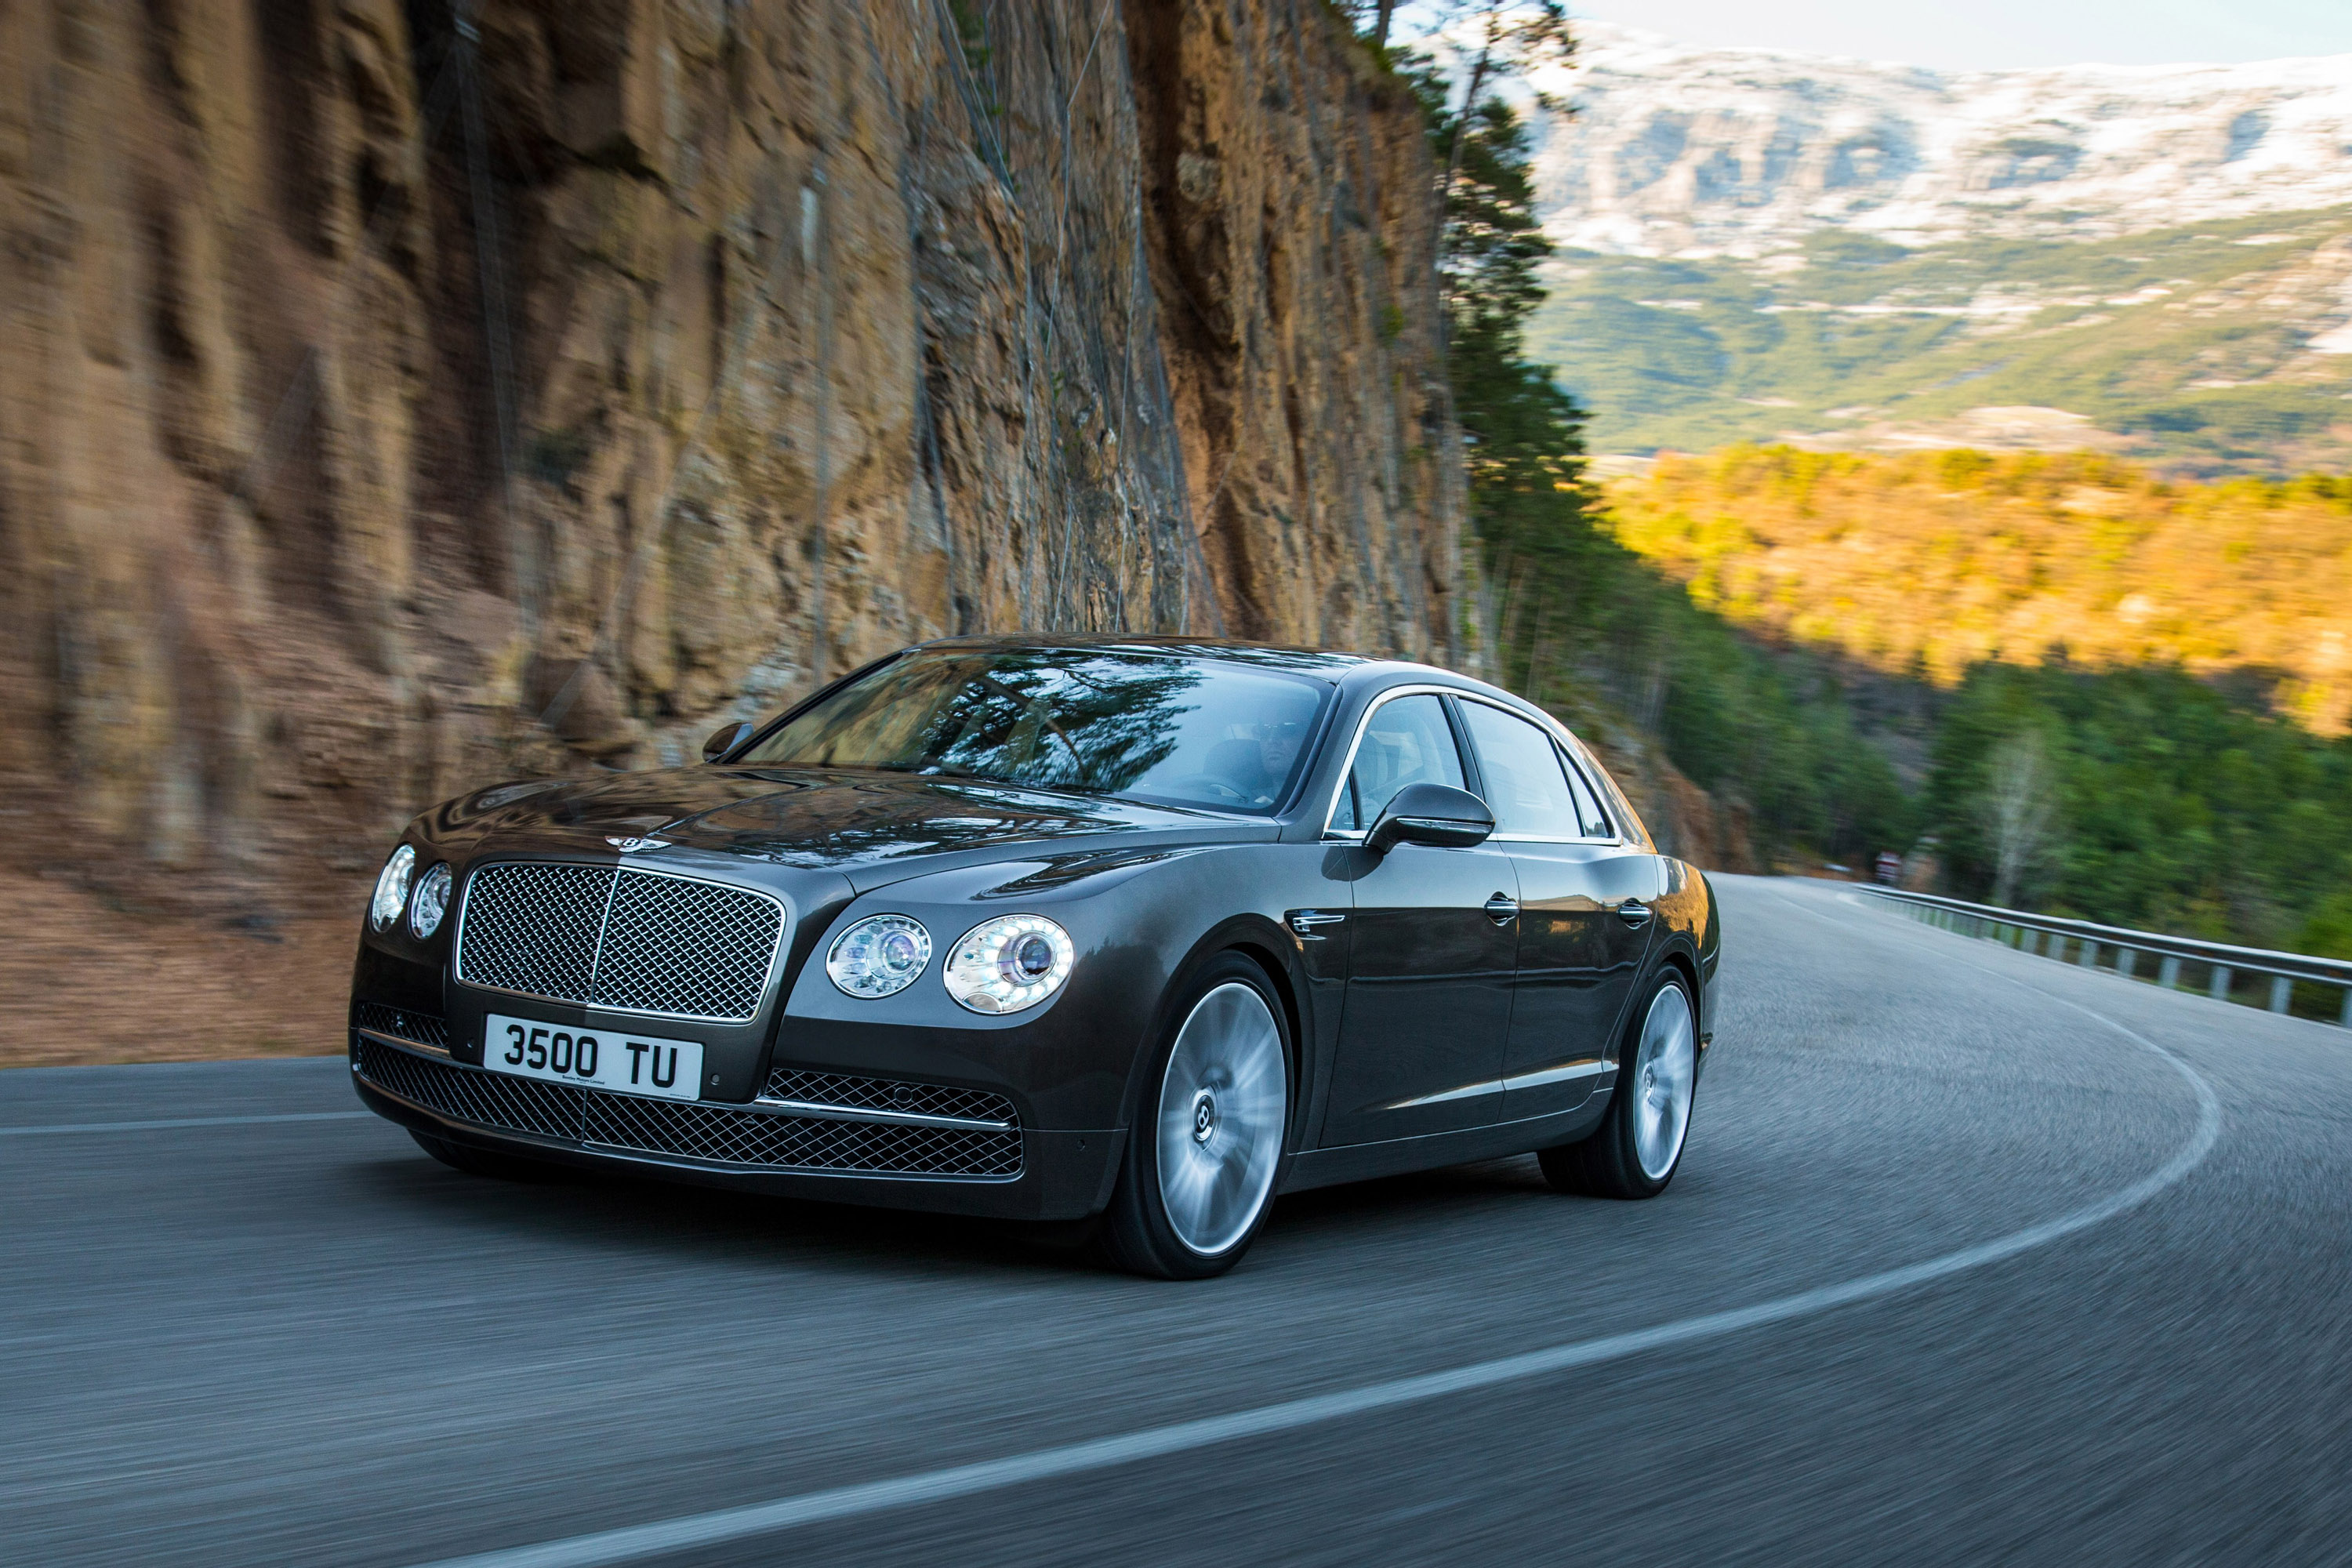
(484, 1162)
(1197, 1178)
(1638, 1146)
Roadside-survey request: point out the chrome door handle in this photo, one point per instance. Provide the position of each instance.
(1502, 910)
(1304, 922)
(1634, 913)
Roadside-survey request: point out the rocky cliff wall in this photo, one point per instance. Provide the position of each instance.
(396, 399)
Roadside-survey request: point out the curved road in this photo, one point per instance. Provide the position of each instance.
(1965, 1263)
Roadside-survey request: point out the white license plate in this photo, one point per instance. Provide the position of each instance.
(594, 1057)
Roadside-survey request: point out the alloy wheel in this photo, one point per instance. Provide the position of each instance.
(1664, 1066)
(1223, 1102)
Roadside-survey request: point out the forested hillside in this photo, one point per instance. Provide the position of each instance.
(1925, 565)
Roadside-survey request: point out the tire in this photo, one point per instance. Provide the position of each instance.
(1197, 1179)
(484, 1162)
(1638, 1146)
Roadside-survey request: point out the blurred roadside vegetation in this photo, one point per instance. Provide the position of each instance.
(2174, 805)
(1934, 606)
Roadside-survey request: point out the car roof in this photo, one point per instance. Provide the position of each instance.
(1311, 660)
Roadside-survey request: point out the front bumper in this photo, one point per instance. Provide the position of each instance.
(811, 1135)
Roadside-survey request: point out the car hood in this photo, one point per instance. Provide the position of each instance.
(793, 817)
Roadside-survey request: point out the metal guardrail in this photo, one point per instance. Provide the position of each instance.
(2123, 948)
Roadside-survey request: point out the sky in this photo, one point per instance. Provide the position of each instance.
(1998, 34)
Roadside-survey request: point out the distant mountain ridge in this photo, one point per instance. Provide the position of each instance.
(1675, 148)
(1768, 245)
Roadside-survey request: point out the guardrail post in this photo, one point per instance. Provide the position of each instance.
(2057, 947)
(2126, 960)
(2282, 989)
(2220, 989)
(2090, 959)
(2029, 940)
(2167, 972)
(2346, 1019)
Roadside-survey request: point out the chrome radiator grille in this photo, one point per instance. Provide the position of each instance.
(638, 942)
(716, 1134)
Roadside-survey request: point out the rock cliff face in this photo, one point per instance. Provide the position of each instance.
(393, 402)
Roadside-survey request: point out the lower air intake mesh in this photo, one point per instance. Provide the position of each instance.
(687, 1130)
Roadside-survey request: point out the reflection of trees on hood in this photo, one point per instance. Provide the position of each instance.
(839, 821)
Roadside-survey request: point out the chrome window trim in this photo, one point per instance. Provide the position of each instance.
(767, 985)
(1363, 722)
(1550, 726)
(1557, 732)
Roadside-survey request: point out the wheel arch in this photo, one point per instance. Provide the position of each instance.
(1262, 944)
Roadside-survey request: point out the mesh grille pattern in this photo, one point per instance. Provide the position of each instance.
(691, 1131)
(753, 1138)
(423, 1027)
(623, 938)
(494, 1100)
(884, 1094)
(685, 947)
(532, 928)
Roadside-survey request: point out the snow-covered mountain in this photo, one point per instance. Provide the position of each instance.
(1675, 150)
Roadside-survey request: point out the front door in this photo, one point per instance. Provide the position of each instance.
(1429, 964)
(1584, 921)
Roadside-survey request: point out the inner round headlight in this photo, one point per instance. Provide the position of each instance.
(879, 956)
(392, 888)
(431, 902)
(1008, 963)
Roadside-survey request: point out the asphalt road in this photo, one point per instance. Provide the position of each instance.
(2125, 1339)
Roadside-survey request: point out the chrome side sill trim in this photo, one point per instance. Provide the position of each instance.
(858, 1114)
(406, 1044)
(1560, 1074)
(1467, 1091)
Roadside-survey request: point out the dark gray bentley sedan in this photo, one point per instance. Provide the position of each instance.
(1121, 934)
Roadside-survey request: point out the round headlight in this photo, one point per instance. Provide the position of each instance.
(1008, 963)
(392, 888)
(431, 902)
(879, 956)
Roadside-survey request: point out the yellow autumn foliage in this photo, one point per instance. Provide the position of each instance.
(1926, 563)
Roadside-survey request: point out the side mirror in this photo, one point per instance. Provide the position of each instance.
(725, 739)
(1436, 814)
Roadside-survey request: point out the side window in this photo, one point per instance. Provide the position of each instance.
(1596, 821)
(1408, 742)
(1526, 789)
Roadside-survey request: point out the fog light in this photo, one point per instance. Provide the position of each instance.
(431, 902)
(879, 956)
(1008, 963)
(392, 888)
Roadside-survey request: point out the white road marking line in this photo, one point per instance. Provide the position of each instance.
(180, 1122)
(633, 1542)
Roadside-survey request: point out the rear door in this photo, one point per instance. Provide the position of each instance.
(1584, 920)
(1431, 964)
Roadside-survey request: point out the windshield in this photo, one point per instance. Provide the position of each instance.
(1181, 731)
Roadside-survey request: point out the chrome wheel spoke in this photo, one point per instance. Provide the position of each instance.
(1222, 1104)
(1664, 1067)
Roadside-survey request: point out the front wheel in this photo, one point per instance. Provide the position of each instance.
(1634, 1152)
(1198, 1175)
